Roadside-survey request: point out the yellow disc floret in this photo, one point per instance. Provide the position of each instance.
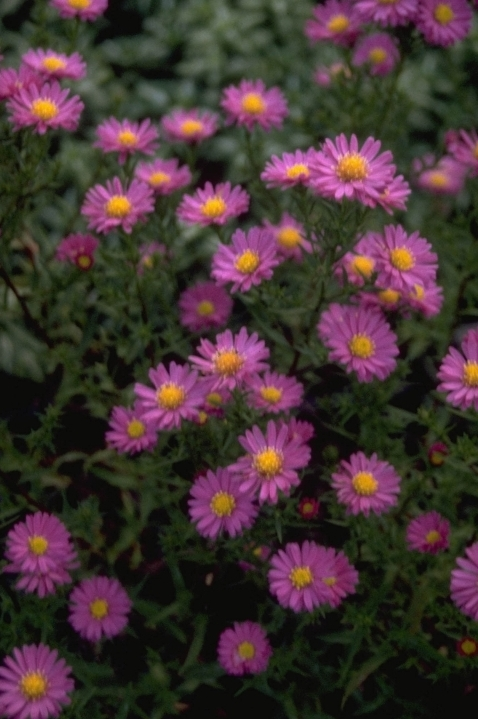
(364, 484)
(402, 259)
(223, 504)
(253, 104)
(53, 64)
(352, 167)
(227, 362)
(44, 109)
(289, 237)
(272, 395)
(470, 374)
(156, 179)
(79, 4)
(33, 686)
(362, 265)
(135, 429)
(377, 55)
(301, 577)
(127, 138)
(432, 537)
(338, 24)
(389, 297)
(246, 650)
(443, 13)
(361, 346)
(118, 206)
(38, 544)
(205, 308)
(247, 262)
(213, 207)
(170, 396)
(297, 170)
(329, 581)
(268, 463)
(99, 608)
(191, 127)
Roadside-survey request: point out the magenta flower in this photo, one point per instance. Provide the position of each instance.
(252, 103)
(51, 64)
(126, 137)
(443, 22)
(459, 373)
(213, 205)
(83, 9)
(163, 176)
(289, 170)
(428, 533)
(274, 392)
(117, 206)
(78, 249)
(244, 649)
(427, 299)
(360, 339)
(43, 108)
(378, 51)
(299, 430)
(189, 125)
(395, 195)
(358, 265)
(463, 146)
(232, 359)
(34, 683)
(248, 261)
(12, 81)
(129, 432)
(335, 20)
(41, 550)
(397, 12)
(366, 484)
(290, 238)
(446, 178)
(402, 260)
(177, 395)
(99, 607)
(204, 306)
(341, 170)
(464, 583)
(271, 461)
(216, 505)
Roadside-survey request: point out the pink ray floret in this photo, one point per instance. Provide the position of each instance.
(463, 145)
(252, 103)
(428, 533)
(79, 249)
(43, 108)
(83, 9)
(244, 649)
(247, 261)
(293, 168)
(99, 607)
(444, 22)
(213, 205)
(191, 126)
(204, 306)
(163, 176)
(113, 205)
(51, 64)
(399, 12)
(129, 432)
(366, 484)
(464, 583)
(12, 81)
(458, 373)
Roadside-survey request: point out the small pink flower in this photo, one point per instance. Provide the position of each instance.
(78, 249)
(467, 647)
(289, 170)
(51, 64)
(447, 177)
(290, 237)
(335, 20)
(437, 453)
(274, 392)
(464, 583)
(163, 176)
(443, 22)
(427, 299)
(395, 194)
(248, 261)
(213, 205)
(216, 505)
(150, 253)
(299, 430)
(459, 373)
(463, 146)
(252, 103)
(308, 508)
(244, 649)
(129, 431)
(43, 108)
(126, 137)
(204, 306)
(428, 533)
(324, 76)
(189, 126)
(12, 81)
(99, 607)
(358, 265)
(366, 484)
(379, 52)
(117, 206)
(83, 9)
(397, 12)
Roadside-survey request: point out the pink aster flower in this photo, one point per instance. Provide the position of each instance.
(379, 52)
(459, 373)
(447, 177)
(43, 108)
(308, 508)
(51, 64)
(251, 103)
(341, 170)
(464, 583)
(324, 76)
(83, 9)
(117, 206)
(428, 533)
(335, 20)
(126, 137)
(99, 607)
(463, 146)
(150, 253)
(41, 550)
(290, 237)
(216, 505)
(177, 395)
(271, 462)
(163, 176)
(232, 359)
(12, 81)
(467, 647)
(274, 392)
(78, 249)
(443, 22)
(437, 453)
(360, 339)
(293, 168)
(358, 265)
(213, 205)
(129, 432)
(397, 12)
(395, 194)
(366, 484)
(427, 299)
(204, 306)
(244, 649)
(248, 261)
(189, 125)
(299, 430)
(34, 683)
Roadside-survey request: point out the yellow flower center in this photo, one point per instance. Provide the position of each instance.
(402, 259)
(228, 362)
(159, 178)
(118, 206)
(52, 64)
(246, 650)
(475, 151)
(377, 55)
(432, 537)
(272, 395)
(38, 544)
(352, 166)
(418, 292)
(223, 504)
(99, 608)
(248, 262)
(202, 417)
(148, 261)
(33, 686)
(387, 2)
(268, 463)
(363, 265)
(79, 4)
(214, 207)
(170, 396)
(301, 577)
(307, 508)
(297, 170)
(214, 399)
(253, 103)
(289, 237)
(84, 262)
(44, 109)
(364, 484)
(390, 297)
(205, 308)
(127, 138)
(436, 178)
(329, 581)
(470, 374)
(135, 429)
(361, 346)
(468, 646)
(191, 127)
(443, 14)
(338, 23)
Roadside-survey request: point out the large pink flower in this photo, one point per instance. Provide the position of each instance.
(213, 205)
(252, 103)
(459, 373)
(366, 484)
(244, 649)
(444, 22)
(464, 583)
(99, 607)
(43, 108)
(117, 206)
(248, 261)
(126, 137)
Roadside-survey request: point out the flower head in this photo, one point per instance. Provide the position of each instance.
(428, 533)
(459, 373)
(447, 177)
(12, 81)
(189, 126)
(78, 249)
(126, 137)
(117, 206)
(44, 107)
(163, 176)
(387, 12)
(244, 649)
(290, 237)
(463, 146)
(359, 264)
(308, 508)
(51, 64)
(34, 683)
(248, 261)
(274, 392)
(213, 205)
(129, 432)
(293, 168)
(251, 103)
(83, 9)
(464, 583)
(467, 647)
(427, 298)
(99, 607)
(437, 453)
(443, 22)
(378, 51)
(335, 20)
(204, 306)
(366, 484)
(149, 255)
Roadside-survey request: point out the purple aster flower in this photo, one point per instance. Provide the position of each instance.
(428, 533)
(395, 194)
(189, 126)
(335, 20)
(213, 205)
(117, 206)
(379, 52)
(444, 22)
(273, 392)
(358, 265)
(163, 176)
(463, 146)
(126, 137)
(129, 431)
(447, 177)
(464, 583)
(51, 64)
(248, 261)
(290, 237)
(293, 168)
(43, 108)
(99, 607)
(244, 649)
(366, 484)
(12, 81)
(298, 429)
(78, 249)
(83, 9)
(387, 13)
(204, 306)
(252, 103)
(427, 299)
(459, 373)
